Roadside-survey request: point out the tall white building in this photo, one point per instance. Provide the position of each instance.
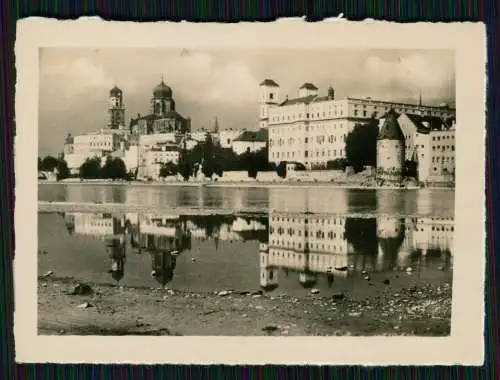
(312, 129)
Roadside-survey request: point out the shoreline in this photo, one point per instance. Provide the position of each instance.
(48, 206)
(415, 310)
(244, 184)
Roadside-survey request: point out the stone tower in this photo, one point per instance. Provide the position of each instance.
(269, 97)
(116, 108)
(390, 149)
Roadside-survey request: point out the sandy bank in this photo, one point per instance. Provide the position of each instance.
(48, 206)
(249, 184)
(112, 310)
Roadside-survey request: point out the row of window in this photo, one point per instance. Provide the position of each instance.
(446, 137)
(444, 147)
(306, 246)
(319, 234)
(333, 221)
(319, 140)
(286, 130)
(442, 159)
(295, 117)
(310, 153)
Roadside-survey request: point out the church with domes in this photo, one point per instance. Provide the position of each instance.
(162, 117)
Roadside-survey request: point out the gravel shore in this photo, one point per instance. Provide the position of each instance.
(102, 309)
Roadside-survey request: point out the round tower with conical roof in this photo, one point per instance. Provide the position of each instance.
(390, 149)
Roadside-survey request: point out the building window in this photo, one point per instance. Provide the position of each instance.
(271, 96)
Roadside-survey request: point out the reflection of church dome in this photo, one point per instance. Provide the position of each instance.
(117, 274)
(163, 266)
(70, 227)
(162, 91)
(115, 91)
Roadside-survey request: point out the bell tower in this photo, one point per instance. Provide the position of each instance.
(269, 97)
(116, 109)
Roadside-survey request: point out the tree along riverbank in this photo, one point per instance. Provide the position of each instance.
(386, 308)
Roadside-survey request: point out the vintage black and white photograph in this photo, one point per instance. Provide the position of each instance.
(245, 191)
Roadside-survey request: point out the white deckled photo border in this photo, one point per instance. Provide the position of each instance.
(465, 345)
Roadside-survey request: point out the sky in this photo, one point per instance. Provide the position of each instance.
(74, 84)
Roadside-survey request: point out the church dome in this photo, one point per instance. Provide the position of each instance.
(390, 129)
(162, 91)
(115, 91)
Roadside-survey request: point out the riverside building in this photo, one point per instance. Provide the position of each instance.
(312, 129)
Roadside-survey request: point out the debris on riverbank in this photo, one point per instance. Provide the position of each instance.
(418, 309)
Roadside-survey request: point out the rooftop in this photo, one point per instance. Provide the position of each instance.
(391, 129)
(308, 86)
(252, 136)
(269, 82)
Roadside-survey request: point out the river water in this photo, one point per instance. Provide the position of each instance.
(286, 249)
(426, 202)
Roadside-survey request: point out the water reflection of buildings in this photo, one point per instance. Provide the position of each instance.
(317, 248)
(106, 227)
(324, 246)
(162, 236)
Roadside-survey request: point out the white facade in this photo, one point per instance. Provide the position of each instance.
(156, 157)
(190, 144)
(95, 224)
(75, 160)
(436, 154)
(131, 157)
(313, 129)
(239, 147)
(199, 135)
(226, 137)
(96, 142)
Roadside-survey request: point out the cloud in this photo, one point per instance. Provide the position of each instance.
(78, 76)
(407, 75)
(196, 77)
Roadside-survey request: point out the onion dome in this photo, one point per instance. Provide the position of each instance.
(269, 82)
(162, 91)
(115, 91)
(308, 86)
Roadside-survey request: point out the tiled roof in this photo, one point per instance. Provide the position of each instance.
(308, 86)
(303, 100)
(252, 136)
(435, 123)
(269, 82)
(391, 129)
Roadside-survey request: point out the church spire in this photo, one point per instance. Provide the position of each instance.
(420, 97)
(216, 125)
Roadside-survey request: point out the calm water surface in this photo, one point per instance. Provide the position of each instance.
(426, 202)
(276, 252)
